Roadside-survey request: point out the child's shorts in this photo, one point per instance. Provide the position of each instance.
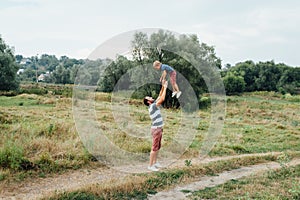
(173, 77)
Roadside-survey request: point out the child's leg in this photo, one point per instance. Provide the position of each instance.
(173, 81)
(175, 87)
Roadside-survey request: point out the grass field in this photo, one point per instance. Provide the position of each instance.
(38, 135)
(260, 122)
(274, 184)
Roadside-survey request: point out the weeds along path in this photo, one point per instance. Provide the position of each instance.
(41, 187)
(206, 160)
(209, 181)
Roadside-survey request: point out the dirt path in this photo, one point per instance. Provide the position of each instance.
(209, 181)
(40, 187)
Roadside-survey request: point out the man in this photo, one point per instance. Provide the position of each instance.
(156, 126)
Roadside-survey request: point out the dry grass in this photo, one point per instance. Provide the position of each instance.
(274, 184)
(258, 123)
(44, 125)
(43, 128)
(138, 186)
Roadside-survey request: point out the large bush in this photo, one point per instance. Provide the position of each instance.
(8, 68)
(234, 84)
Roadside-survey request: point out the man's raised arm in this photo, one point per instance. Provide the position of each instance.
(162, 94)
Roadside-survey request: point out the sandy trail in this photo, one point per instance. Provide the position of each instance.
(41, 187)
(209, 181)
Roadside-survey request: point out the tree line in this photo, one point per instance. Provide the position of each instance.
(262, 76)
(47, 68)
(244, 76)
(183, 53)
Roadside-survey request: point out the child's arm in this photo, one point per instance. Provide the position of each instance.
(163, 76)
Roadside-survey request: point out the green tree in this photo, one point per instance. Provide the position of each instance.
(249, 71)
(69, 62)
(269, 76)
(184, 53)
(73, 73)
(8, 68)
(263, 76)
(234, 84)
(28, 75)
(139, 43)
(19, 58)
(59, 74)
(48, 61)
(113, 73)
(290, 81)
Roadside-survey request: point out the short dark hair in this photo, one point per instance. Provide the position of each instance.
(146, 101)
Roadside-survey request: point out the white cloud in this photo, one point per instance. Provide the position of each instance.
(258, 34)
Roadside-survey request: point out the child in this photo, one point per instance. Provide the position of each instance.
(168, 69)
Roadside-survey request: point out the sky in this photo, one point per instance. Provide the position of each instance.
(239, 30)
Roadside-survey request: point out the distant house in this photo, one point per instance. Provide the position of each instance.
(20, 71)
(41, 78)
(25, 61)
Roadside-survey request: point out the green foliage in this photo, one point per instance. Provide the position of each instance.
(165, 178)
(10, 101)
(262, 186)
(135, 194)
(143, 91)
(290, 81)
(285, 171)
(61, 75)
(33, 90)
(138, 43)
(49, 61)
(113, 75)
(60, 71)
(157, 181)
(46, 163)
(269, 75)
(188, 163)
(263, 76)
(295, 190)
(204, 102)
(2, 176)
(259, 122)
(43, 89)
(239, 148)
(78, 196)
(183, 53)
(234, 84)
(8, 68)
(12, 156)
(164, 46)
(290, 98)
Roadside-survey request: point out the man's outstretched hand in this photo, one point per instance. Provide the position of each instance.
(162, 80)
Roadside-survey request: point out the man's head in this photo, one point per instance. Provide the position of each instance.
(156, 64)
(148, 100)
